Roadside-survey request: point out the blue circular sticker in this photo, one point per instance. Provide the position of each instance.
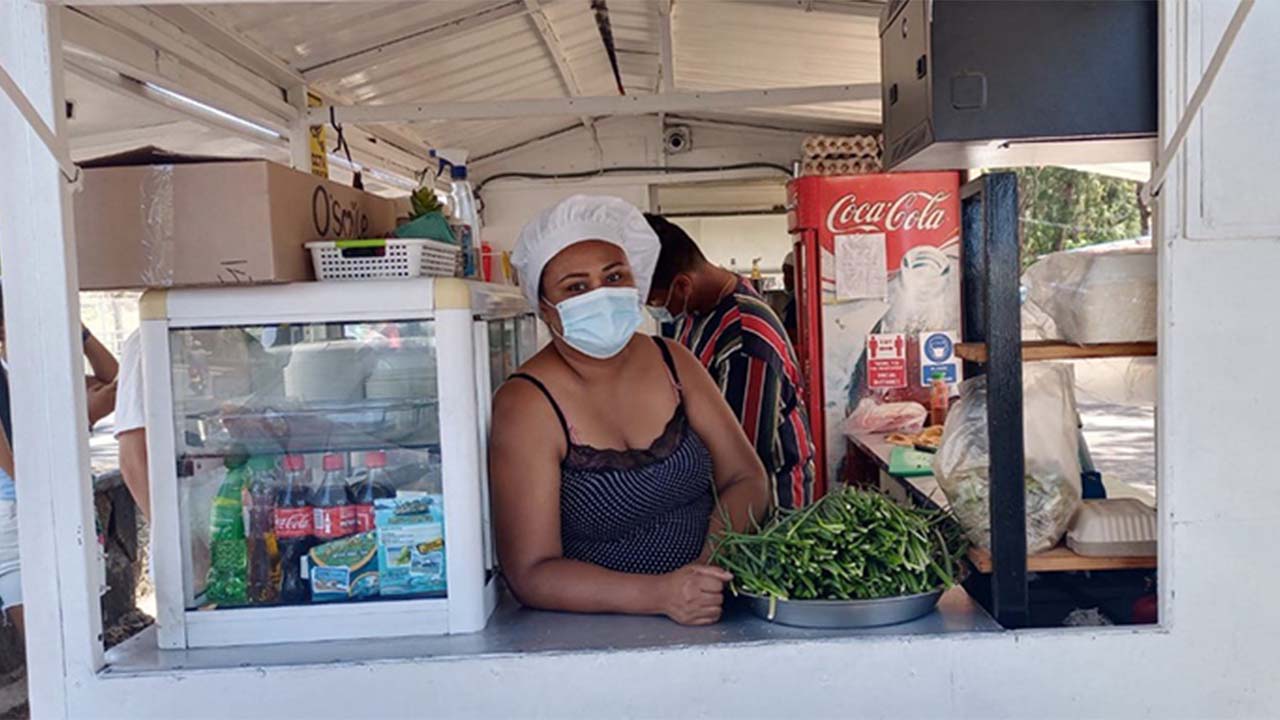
(938, 348)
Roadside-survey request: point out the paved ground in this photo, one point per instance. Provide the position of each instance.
(1122, 441)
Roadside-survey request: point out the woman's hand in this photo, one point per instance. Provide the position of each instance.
(693, 594)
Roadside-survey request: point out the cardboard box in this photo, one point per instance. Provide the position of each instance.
(152, 219)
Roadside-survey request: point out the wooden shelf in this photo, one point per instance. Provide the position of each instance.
(1063, 559)
(1055, 350)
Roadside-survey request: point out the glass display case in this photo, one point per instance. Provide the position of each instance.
(317, 455)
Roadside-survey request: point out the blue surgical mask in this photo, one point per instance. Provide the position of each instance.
(661, 314)
(600, 323)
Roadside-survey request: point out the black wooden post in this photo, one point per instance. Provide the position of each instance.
(992, 314)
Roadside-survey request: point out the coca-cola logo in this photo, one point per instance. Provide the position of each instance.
(913, 210)
(293, 522)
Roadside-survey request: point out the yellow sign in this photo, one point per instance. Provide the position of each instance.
(319, 155)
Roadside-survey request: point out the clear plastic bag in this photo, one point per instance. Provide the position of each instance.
(873, 417)
(963, 463)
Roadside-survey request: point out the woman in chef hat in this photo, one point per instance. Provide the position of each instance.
(614, 459)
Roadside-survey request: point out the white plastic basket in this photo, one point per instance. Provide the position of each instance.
(384, 258)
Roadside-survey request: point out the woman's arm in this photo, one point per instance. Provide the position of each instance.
(741, 483)
(525, 449)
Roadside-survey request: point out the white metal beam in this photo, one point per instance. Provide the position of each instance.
(450, 26)
(601, 106)
(37, 243)
(135, 90)
(91, 43)
(299, 129)
(551, 41)
(666, 46)
(202, 25)
(196, 58)
(859, 8)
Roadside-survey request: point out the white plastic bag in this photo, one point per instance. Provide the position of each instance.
(1051, 443)
(1093, 297)
(873, 417)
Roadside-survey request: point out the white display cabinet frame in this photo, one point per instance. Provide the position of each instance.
(460, 312)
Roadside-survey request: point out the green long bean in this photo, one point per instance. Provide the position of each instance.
(850, 545)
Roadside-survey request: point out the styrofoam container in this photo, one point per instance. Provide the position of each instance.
(1117, 527)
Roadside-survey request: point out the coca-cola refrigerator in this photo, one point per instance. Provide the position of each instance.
(878, 294)
(317, 456)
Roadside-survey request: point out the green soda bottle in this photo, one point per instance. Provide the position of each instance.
(228, 559)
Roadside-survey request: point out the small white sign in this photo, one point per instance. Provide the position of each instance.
(860, 267)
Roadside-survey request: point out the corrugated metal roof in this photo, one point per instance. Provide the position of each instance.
(736, 46)
(459, 50)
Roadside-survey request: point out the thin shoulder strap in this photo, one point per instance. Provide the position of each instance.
(671, 364)
(564, 424)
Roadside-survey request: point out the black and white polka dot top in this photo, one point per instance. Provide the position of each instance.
(636, 511)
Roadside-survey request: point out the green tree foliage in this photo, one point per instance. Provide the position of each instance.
(1062, 209)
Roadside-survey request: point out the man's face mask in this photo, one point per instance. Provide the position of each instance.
(664, 313)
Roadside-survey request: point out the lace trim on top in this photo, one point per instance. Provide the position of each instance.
(585, 457)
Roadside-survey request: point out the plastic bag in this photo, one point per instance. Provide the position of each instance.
(1093, 297)
(872, 417)
(1051, 443)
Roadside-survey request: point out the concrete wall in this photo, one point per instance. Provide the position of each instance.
(621, 142)
(508, 206)
(733, 242)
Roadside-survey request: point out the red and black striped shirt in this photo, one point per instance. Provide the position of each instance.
(743, 345)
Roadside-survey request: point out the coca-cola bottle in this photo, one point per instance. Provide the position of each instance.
(372, 486)
(260, 532)
(334, 515)
(295, 528)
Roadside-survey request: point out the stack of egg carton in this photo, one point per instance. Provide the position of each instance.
(848, 155)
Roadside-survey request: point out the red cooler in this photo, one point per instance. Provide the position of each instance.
(877, 259)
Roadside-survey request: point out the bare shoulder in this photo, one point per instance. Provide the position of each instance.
(523, 419)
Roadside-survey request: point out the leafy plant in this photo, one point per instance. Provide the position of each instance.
(850, 545)
(424, 201)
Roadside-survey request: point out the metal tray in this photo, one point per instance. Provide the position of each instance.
(844, 613)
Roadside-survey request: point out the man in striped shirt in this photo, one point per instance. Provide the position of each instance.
(737, 336)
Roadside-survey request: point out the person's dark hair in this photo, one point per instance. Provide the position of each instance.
(680, 254)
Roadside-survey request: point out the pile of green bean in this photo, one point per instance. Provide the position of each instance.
(850, 545)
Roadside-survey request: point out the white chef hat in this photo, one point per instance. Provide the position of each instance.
(580, 218)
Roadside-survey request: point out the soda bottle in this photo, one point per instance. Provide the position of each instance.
(334, 516)
(228, 561)
(295, 528)
(372, 486)
(260, 532)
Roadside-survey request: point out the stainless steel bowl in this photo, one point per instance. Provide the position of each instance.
(844, 613)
